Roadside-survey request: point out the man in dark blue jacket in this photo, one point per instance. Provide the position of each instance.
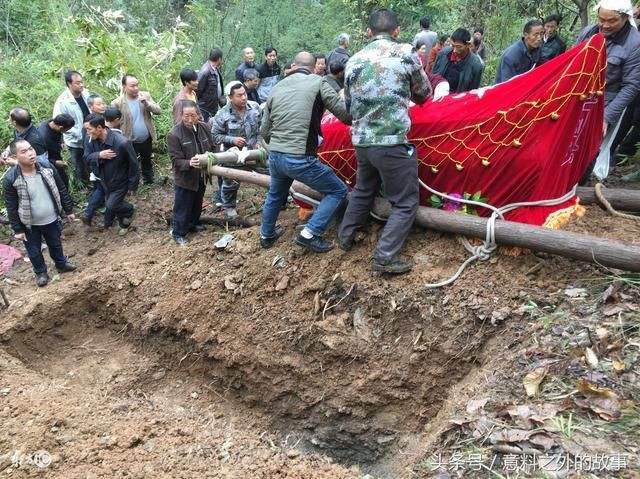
(523, 55)
(112, 156)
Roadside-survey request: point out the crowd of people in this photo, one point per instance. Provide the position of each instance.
(110, 145)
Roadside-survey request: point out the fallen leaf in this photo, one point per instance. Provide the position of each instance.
(509, 436)
(602, 333)
(575, 292)
(283, 283)
(316, 303)
(608, 408)
(588, 388)
(229, 284)
(619, 366)
(543, 440)
(612, 310)
(590, 356)
(530, 416)
(475, 405)
(610, 292)
(533, 380)
(361, 326)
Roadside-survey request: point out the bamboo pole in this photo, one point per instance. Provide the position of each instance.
(613, 254)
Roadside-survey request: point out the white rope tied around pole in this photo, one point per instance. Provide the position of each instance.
(481, 252)
(484, 251)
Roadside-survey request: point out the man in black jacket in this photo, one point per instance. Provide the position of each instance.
(36, 198)
(552, 44)
(26, 130)
(188, 138)
(113, 158)
(460, 66)
(51, 133)
(210, 86)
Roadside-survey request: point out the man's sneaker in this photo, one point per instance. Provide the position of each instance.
(345, 244)
(67, 267)
(230, 213)
(198, 228)
(267, 243)
(42, 279)
(86, 220)
(391, 266)
(316, 243)
(180, 240)
(126, 222)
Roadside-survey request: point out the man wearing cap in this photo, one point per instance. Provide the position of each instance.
(615, 22)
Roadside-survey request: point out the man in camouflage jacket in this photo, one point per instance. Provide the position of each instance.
(380, 82)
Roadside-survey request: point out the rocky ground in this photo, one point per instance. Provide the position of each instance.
(158, 361)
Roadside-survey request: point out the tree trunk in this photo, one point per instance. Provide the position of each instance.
(587, 248)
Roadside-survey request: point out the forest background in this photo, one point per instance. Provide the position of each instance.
(155, 39)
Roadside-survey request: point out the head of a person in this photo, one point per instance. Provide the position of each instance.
(251, 78)
(96, 104)
(304, 60)
(62, 122)
(479, 32)
(336, 68)
(611, 22)
(74, 82)
(20, 118)
(443, 40)
(461, 42)
(343, 40)
(189, 78)
(23, 152)
(532, 34)
(320, 67)
(113, 117)
(215, 57)
(237, 95)
(130, 86)
(189, 113)
(383, 21)
(425, 23)
(96, 127)
(551, 25)
(248, 55)
(270, 56)
(421, 48)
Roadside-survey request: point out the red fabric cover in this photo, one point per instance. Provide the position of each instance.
(555, 112)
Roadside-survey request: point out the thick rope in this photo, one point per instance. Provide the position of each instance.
(483, 252)
(607, 206)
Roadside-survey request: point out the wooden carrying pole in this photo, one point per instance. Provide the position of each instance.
(587, 248)
(623, 200)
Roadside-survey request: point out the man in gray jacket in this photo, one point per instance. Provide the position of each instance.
(623, 62)
(73, 101)
(291, 126)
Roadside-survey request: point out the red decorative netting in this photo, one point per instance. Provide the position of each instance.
(528, 139)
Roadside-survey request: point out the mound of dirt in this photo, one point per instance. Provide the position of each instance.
(159, 361)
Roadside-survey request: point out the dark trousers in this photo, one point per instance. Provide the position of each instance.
(395, 168)
(629, 132)
(96, 200)
(51, 234)
(80, 168)
(144, 151)
(62, 172)
(117, 207)
(187, 207)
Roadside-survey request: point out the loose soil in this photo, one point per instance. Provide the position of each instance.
(158, 361)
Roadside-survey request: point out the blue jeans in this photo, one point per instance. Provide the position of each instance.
(51, 234)
(96, 200)
(309, 170)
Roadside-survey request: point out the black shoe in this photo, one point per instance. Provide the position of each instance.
(42, 279)
(67, 267)
(198, 229)
(180, 240)
(391, 266)
(317, 244)
(267, 243)
(345, 244)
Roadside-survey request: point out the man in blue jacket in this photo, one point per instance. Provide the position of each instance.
(524, 54)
